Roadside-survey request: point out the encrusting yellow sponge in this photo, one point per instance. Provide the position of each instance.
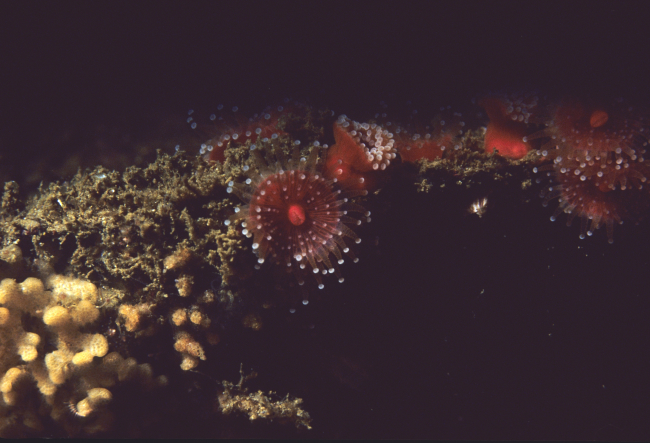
(69, 288)
(82, 358)
(4, 316)
(96, 398)
(27, 346)
(97, 345)
(9, 291)
(57, 365)
(85, 312)
(56, 316)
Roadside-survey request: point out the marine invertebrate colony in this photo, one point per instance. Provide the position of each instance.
(72, 379)
(296, 216)
(598, 163)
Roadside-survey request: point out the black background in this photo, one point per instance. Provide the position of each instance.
(453, 326)
(97, 59)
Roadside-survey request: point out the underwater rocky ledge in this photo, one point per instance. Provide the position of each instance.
(133, 303)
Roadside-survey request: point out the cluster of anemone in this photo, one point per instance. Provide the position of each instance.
(592, 153)
(297, 211)
(598, 170)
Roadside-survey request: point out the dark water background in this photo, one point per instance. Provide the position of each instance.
(451, 326)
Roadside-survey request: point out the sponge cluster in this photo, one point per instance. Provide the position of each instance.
(74, 378)
(69, 305)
